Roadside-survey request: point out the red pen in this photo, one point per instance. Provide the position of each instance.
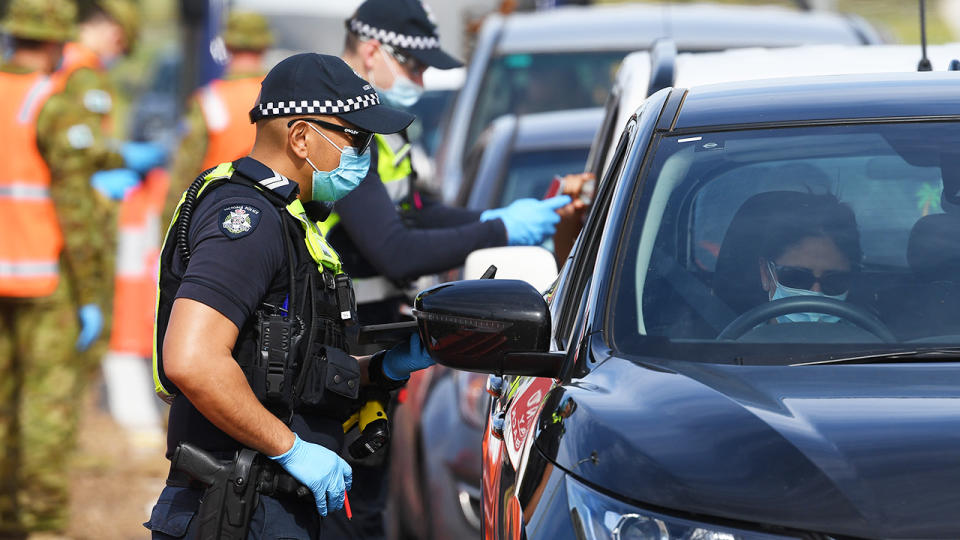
(346, 506)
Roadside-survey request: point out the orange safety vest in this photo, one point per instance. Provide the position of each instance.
(30, 238)
(226, 106)
(138, 257)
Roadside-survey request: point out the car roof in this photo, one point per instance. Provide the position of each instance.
(696, 69)
(573, 128)
(827, 98)
(692, 26)
(759, 63)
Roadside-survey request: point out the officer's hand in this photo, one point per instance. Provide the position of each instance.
(143, 156)
(323, 471)
(405, 358)
(91, 323)
(528, 221)
(114, 183)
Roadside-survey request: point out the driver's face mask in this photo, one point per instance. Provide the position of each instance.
(782, 291)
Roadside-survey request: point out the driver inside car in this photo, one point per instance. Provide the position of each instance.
(812, 249)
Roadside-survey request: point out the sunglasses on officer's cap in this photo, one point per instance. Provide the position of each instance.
(361, 139)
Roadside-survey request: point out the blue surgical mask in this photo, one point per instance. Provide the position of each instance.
(336, 184)
(404, 92)
(782, 291)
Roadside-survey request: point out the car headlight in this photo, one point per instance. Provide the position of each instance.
(596, 516)
(472, 397)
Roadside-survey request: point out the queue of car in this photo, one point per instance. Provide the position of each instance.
(565, 58)
(643, 394)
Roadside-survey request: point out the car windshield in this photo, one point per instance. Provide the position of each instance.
(529, 173)
(542, 82)
(793, 244)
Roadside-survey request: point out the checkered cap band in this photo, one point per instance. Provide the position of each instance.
(317, 106)
(390, 37)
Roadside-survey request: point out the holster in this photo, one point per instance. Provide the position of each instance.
(230, 493)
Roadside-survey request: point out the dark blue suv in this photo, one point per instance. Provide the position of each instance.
(757, 334)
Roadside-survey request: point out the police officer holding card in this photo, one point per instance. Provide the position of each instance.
(252, 315)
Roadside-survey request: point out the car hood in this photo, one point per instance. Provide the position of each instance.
(864, 450)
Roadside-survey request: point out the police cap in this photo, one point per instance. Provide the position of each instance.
(41, 20)
(405, 24)
(247, 31)
(320, 84)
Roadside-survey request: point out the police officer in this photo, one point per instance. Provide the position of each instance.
(217, 128)
(251, 314)
(51, 256)
(390, 233)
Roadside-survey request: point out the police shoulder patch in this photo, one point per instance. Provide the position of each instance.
(238, 220)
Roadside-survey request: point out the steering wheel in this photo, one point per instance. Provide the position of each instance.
(807, 304)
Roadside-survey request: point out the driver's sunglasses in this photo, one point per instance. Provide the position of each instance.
(361, 139)
(832, 283)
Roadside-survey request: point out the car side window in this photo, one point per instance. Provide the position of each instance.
(585, 250)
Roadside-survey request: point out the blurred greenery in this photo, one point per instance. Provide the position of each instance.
(898, 20)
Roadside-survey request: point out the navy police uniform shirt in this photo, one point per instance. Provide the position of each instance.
(237, 258)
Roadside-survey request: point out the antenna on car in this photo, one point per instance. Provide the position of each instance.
(924, 64)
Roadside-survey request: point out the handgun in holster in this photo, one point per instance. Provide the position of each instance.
(371, 419)
(230, 495)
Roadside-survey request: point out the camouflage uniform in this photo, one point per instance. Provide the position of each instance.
(93, 79)
(245, 31)
(41, 384)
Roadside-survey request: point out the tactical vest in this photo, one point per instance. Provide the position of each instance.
(292, 349)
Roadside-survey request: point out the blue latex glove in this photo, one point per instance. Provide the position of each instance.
(143, 156)
(91, 323)
(528, 221)
(114, 183)
(323, 471)
(405, 358)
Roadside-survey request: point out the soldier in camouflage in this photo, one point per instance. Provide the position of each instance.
(218, 127)
(107, 30)
(55, 121)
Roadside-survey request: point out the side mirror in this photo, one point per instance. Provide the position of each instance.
(532, 264)
(497, 326)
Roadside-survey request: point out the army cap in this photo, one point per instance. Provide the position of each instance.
(247, 31)
(320, 84)
(41, 20)
(125, 13)
(407, 25)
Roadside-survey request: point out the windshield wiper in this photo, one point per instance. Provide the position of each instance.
(943, 354)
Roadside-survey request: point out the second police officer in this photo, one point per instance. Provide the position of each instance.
(389, 233)
(251, 317)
